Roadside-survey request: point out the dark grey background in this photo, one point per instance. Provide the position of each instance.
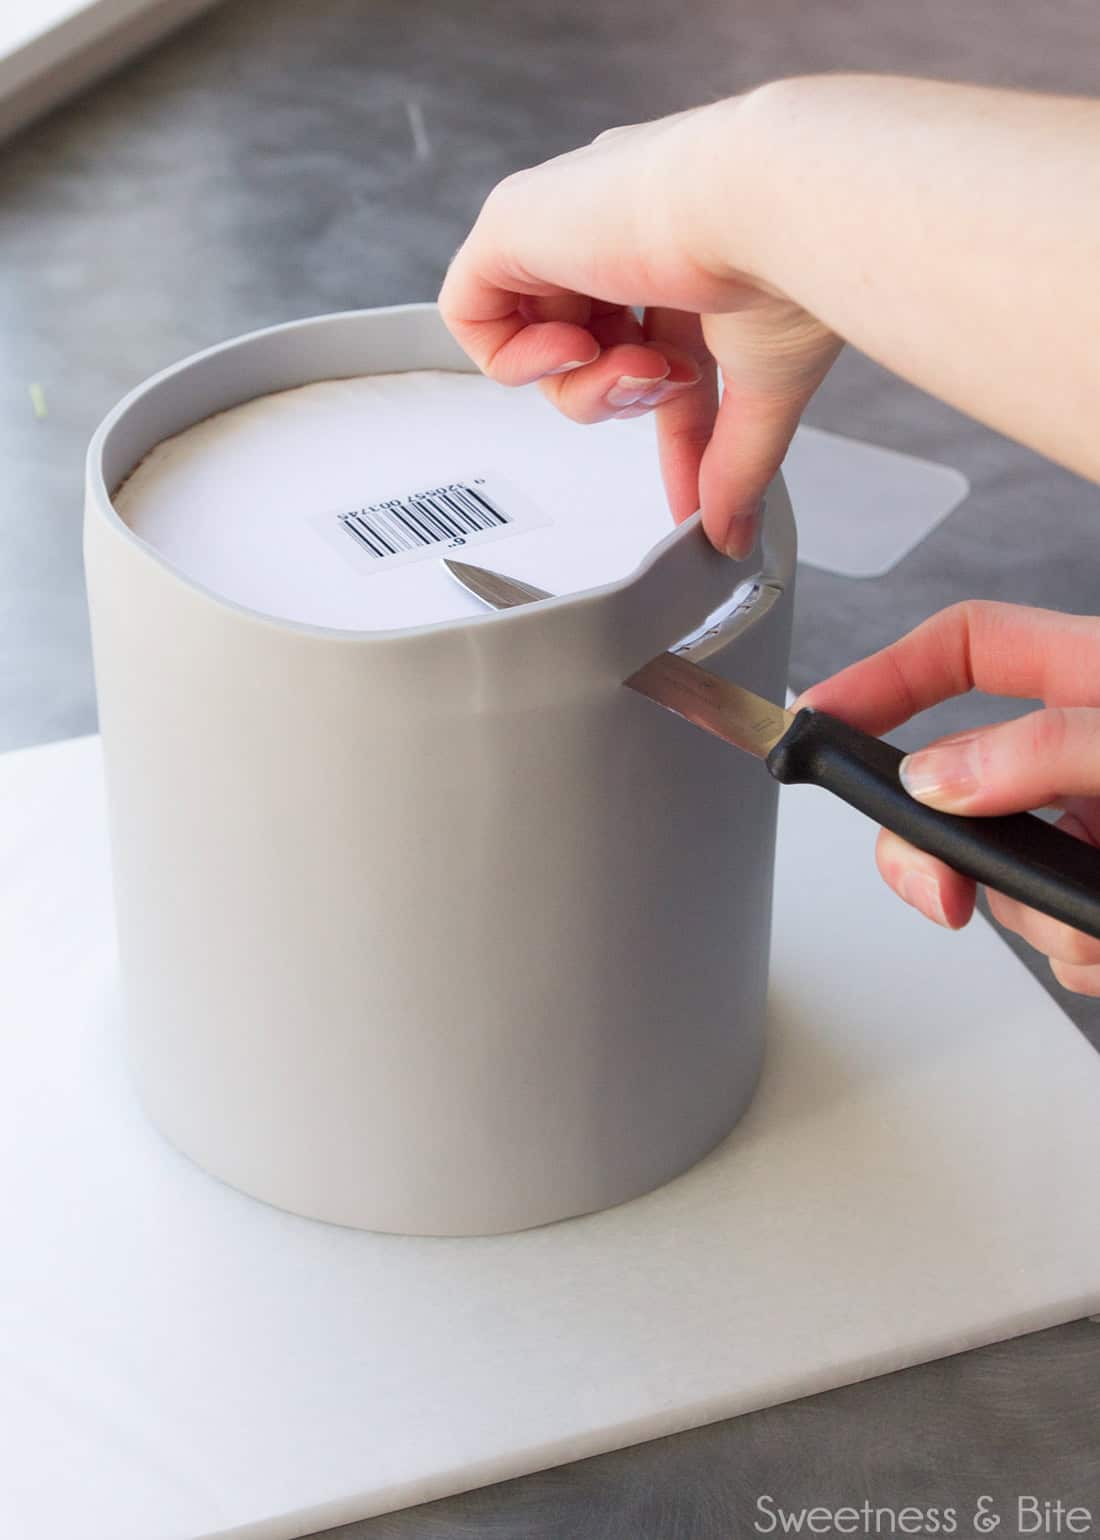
(260, 166)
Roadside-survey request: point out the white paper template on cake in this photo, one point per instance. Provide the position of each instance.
(249, 503)
(328, 504)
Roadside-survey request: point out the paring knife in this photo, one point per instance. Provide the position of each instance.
(1019, 855)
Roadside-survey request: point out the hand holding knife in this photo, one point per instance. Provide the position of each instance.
(1017, 854)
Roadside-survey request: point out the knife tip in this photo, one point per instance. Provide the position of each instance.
(460, 569)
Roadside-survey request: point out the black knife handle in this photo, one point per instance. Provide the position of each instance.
(1019, 855)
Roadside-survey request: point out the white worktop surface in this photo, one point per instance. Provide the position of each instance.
(919, 1173)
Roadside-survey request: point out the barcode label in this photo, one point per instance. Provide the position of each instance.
(446, 517)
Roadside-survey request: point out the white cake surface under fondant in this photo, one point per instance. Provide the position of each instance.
(919, 1173)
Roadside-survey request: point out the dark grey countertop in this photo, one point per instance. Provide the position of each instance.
(260, 166)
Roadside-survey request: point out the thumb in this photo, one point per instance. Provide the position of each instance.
(1012, 767)
(773, 355)
(751, 435)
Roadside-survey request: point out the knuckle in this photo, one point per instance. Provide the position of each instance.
(973, 611)
(492, 365)
(1047, 733)
(964, 618)
(1074, 947)
(689, 436)
(892, 856)
(502, 190)
(982, 614)
(495, 210)
(1081, 980)
(769, 467)
(1064, 946)
(1006, 911)
(568, 404)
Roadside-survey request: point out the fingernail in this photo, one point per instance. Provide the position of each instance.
(574, 363)
(629, 389)
(921, 891)
(946, 776)
(667, 390)
(742, 533)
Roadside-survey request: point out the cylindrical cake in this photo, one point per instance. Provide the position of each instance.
(426, 923)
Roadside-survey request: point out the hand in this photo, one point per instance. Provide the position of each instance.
(1048, 756)
(543, 289)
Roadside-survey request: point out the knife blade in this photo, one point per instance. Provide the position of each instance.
(746, 720)
(1017, 854)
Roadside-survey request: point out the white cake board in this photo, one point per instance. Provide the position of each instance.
(920, 1173)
